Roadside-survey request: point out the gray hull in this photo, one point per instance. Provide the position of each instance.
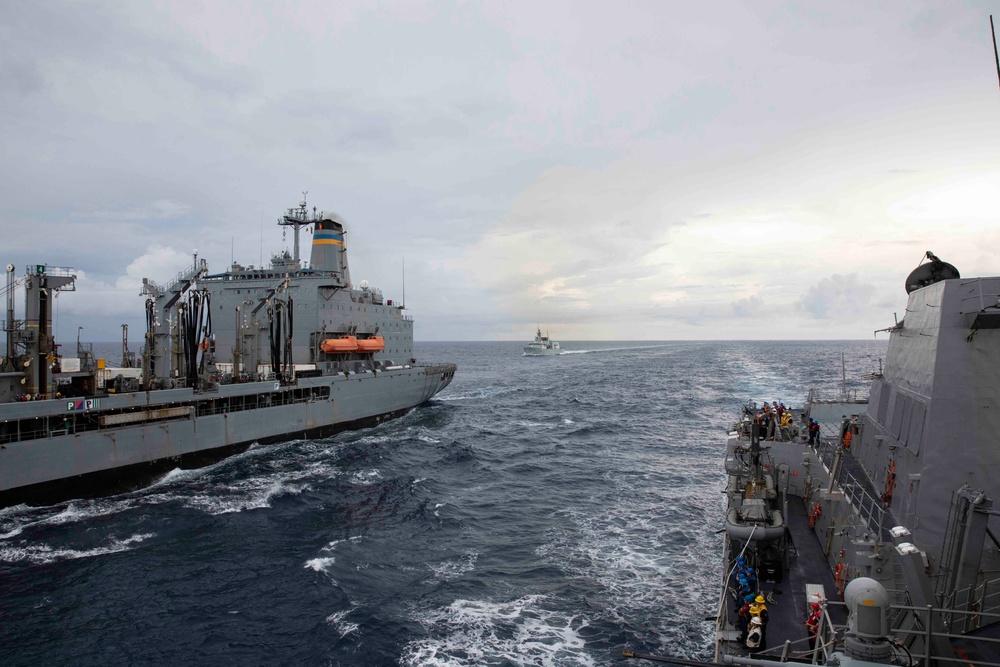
(540, 351)
(61, 464)
(542, 346)
(247, 355)
(893, 520)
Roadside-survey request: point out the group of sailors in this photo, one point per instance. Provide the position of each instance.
(751, 617)
(774, 422)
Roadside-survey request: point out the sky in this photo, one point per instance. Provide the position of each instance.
(606, 171)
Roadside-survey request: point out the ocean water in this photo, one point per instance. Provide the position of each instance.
(540, 511)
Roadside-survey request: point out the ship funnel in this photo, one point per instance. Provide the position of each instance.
(328, 249)
(868, 622)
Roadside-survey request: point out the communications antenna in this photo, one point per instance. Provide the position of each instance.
(995, 56)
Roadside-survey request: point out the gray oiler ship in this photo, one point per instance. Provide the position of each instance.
(880, 531)
(252, 355)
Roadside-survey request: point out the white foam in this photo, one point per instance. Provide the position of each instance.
(13, 532)
(452, 569)
(365, 477)
(177, 475)
(320, 564)
(527, 424)
(56, 515)
(477, 632)
(642, 548)
(248, 494)
(475, 394)
(42, 554)
(336, 619)
(323, 564)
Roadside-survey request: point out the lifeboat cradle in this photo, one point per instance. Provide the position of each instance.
(752, 513)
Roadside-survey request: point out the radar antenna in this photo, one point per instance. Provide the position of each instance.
(934, 271)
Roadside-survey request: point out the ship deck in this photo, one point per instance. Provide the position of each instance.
(787, 602)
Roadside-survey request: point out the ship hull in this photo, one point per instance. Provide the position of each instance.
(540, 351)
(215, 425)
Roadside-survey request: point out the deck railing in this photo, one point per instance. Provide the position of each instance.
(911, 636)
(868, 507)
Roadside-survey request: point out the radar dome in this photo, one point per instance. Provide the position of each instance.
(930, 273)
(868, 604)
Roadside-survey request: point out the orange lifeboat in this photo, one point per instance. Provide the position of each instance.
(373, 344)
(339, 345)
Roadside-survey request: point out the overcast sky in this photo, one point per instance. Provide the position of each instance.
(608, 170)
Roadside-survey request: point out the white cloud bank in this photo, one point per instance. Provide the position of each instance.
(654, 172)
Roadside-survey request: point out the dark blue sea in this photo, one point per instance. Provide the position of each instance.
(540, 511)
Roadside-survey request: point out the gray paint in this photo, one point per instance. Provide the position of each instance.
(324, 303)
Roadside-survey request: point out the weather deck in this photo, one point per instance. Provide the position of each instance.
(787, 603)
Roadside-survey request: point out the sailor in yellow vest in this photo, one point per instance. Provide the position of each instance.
(786, 425)
(758, 619)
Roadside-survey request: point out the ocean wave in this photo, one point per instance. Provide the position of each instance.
(553, 516)
(338, 621)
(478, 394)
(523, 632)
(251, 494)
(451, 569)
(320, 564)
(44, 554)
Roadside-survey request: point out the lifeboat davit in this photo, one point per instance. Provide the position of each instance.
(339, 345)
(373, 344)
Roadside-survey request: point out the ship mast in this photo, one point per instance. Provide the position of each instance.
(9, 361)
(296, 219)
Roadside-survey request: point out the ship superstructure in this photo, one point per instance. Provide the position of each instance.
(253, 354)
(889, 514)
(542, 346)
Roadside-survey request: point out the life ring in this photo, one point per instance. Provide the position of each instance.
(203, 345)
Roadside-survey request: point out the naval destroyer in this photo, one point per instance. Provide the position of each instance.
(249, 355)
(873, 543)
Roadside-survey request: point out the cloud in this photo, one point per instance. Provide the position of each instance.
(750, 307)
(657, 171)
(838, 296)
(118, 298)
(162, 209)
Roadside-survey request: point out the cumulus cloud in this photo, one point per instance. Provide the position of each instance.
(752, 306)
(118, 297)
(837, 296)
